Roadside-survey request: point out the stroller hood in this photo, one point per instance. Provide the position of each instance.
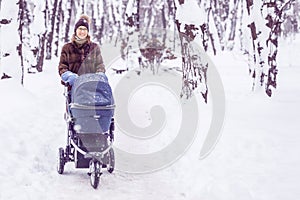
(92, 90)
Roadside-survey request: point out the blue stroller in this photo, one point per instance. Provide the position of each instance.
(90, 122)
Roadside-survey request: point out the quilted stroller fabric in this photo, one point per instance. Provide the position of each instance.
(92, 103)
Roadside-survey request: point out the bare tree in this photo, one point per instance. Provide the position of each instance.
(263, 65)
(23, 30)
(51, 32)
(39, 50)
(217, 30)
(70, 8)
(59, 20)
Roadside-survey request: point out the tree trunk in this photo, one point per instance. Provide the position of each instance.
(20, 31)
(41, 51)
(57, 30)
(233, 23)
(70, 5)
(51, 32)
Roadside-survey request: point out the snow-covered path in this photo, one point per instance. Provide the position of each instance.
(256, 157)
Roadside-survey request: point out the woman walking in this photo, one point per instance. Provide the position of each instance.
(80, 55)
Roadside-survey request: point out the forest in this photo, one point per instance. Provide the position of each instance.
(157, 28)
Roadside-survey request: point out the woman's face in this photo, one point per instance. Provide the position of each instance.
(82, 32)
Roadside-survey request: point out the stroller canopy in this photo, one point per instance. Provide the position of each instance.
(92, 90)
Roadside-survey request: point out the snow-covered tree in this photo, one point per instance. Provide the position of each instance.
(252, 27)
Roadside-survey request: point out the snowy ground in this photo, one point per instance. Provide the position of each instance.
(256, 157)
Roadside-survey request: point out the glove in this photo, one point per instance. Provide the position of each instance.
(69, 77)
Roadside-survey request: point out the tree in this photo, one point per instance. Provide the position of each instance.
(264, 34)
(23, 30)
(269, 16)
(216, 26)
(59, 20)
(51, 32)
(40, 35)
(68, 16)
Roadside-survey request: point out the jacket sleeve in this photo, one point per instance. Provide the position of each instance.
(63, 62)
(99, 65)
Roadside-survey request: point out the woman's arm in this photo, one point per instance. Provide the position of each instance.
(99, 65)
(63, 62)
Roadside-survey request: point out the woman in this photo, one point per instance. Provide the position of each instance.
(81, 55)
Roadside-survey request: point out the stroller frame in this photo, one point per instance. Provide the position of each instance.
(78, 148)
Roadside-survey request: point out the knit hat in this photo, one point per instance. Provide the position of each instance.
(84, 20)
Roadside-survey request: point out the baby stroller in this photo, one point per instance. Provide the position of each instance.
(90, 122)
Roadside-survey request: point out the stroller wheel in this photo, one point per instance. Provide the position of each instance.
(111, 164)
(60, 161)
(95, 173)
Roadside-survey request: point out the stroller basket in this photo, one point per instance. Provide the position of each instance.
(95, 145)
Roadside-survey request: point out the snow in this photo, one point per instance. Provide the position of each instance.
(255, 158)
(197, 16)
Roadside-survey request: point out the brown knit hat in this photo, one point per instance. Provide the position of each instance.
(84, 20)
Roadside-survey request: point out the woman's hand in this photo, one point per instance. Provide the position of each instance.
(69, 77)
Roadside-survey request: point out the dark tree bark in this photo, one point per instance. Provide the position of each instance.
(220, 14)
(59, 20)
(263, 69)
(40, 49)
(20, 30)
(41, 52)
(70, 5)
(274, 24)
(194, 70)
(233, 24)
(51, 32)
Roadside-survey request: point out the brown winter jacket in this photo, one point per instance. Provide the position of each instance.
(81, 59)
